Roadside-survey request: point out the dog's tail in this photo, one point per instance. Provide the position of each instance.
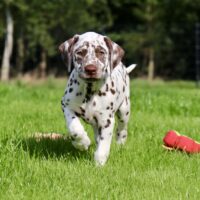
(130, 68)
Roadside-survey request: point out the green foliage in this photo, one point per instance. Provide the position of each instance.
(165, 26)
(1, 28)
(142, 169)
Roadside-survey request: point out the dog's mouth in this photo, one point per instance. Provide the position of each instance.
(90, 76)
(90, 79)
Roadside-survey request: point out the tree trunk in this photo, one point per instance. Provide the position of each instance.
(43, 64)
(5, 68)
(151, 65)
(150, 25)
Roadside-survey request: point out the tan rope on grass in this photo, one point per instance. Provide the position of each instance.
(52, 136)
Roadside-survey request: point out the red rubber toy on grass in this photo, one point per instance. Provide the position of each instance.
(173, 140)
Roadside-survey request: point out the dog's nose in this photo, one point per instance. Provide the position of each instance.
(90, 69)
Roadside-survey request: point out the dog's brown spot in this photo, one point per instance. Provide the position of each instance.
(101, 138)
(76, 82)
(99, 130)
(101, 93)
(108, 123)
(107, 87)
(78, 93)
(126, 100)
(89, 92)
(62, 103)
(77, 114)
(95, 119)
(82, 110)
(70, 90)
(111, 104)
(74, 135)
(112, 91)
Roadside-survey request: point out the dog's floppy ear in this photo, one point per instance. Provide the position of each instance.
(115, 51)
(66, 50)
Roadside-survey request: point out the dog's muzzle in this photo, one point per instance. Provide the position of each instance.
(90, 71)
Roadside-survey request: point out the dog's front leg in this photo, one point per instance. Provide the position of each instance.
(80, 140)
(103, 140)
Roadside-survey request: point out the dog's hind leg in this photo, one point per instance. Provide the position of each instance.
(123, 114)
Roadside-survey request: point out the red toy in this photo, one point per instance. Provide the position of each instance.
(173, 140)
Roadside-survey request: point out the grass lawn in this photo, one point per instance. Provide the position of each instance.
(142, 169)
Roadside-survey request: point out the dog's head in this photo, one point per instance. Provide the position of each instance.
(93, 56)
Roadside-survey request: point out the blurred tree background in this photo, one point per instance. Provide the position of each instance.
(157, 35)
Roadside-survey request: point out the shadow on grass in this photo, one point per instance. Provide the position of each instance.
(53, 148)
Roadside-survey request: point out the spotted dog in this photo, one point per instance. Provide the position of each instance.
(97, 89)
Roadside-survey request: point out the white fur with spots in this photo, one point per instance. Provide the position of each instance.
(97, 89)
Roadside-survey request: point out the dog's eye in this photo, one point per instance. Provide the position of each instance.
(81, 52)
(100, 52)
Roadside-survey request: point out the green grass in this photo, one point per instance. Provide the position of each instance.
(142, 169)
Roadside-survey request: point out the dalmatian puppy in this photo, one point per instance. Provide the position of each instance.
(97, 89)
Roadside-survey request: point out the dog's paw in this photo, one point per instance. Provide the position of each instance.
(100, 159)
(121, 137)
(82, 144)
